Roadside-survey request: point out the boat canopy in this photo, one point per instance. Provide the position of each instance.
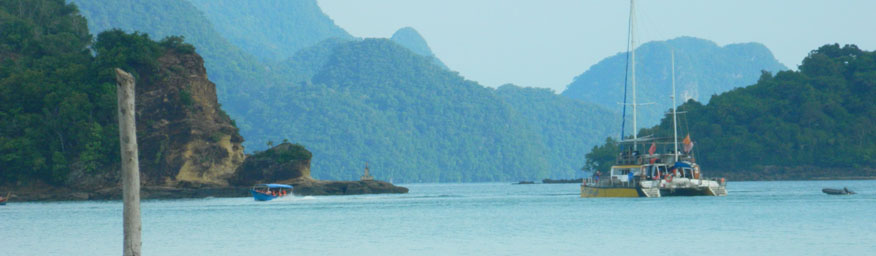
(272, 185)
(681, 164)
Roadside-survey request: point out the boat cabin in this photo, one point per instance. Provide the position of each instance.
(624, 173)
(681, 169)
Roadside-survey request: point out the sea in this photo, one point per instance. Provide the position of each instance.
(756, 218)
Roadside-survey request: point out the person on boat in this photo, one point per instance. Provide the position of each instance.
(845, 189)
(596, 175)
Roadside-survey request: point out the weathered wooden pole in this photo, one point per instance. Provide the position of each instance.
(130, 164)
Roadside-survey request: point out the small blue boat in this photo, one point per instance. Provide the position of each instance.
(267, 192)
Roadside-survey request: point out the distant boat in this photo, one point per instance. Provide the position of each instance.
(4, 199)
(833, 191)
(669, 173)
(552, 181)
(523, 182)
(267, 192)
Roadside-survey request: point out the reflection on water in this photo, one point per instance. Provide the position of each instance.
(763, 218)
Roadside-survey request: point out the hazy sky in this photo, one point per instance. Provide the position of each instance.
(547, 43)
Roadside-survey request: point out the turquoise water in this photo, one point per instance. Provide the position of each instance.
(757, 218)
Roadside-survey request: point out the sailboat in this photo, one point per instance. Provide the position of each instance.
(672, 173)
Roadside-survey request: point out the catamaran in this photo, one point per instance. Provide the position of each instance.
(669, 173)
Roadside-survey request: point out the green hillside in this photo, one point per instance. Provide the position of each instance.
(414, 122)
(271, 30)
(813, 123)
(57, 100)
(233, 70)
(351, 101)
(702, 69)
(566, 126)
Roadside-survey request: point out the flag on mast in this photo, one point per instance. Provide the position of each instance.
(688, 144)
(652, 149)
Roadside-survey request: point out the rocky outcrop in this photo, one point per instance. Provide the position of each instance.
(185, 139)
(327, 188)
(290, 164)
(284, 162)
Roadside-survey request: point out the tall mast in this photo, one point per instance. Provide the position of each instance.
(674, 107)
(633, 57)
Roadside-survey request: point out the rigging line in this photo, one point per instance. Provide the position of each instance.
(626, 75)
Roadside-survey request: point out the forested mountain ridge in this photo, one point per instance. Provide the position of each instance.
(374, 100)
(702, 69)
(233, 70)
(300, 99)
(58, 109)
(271, 30)
(808, 124)
(415, 122)
(568, 127)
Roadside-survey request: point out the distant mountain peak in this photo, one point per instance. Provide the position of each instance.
(702, 69)
(411, 39)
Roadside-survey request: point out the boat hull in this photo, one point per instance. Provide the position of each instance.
(831, 191)
(686, 192)
(588, 191)
(258, 196)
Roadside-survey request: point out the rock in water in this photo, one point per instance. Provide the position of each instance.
(325, 188)
(290, 164)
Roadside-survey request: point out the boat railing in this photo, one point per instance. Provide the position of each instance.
(608, 182)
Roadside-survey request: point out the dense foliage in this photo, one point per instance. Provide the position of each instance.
(702, 69)
(822, 116)
(57, 100)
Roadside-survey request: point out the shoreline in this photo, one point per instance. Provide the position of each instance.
(61, 194)
(47, 193)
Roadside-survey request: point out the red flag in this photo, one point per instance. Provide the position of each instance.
(688, 144)
(652, 149)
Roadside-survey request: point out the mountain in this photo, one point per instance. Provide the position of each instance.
(232, 69)
(375, 101)
(409, 118)
(567, 127)
(411, 39)
(378, 102)
(814, 123)
(271, 30)
(58, 110)
(702, 69)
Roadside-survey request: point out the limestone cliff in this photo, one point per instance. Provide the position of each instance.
(185, 139)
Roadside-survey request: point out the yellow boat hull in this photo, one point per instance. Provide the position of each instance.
(587, 191)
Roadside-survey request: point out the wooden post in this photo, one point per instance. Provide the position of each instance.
(130, 164)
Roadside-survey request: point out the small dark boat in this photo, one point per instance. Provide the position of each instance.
(560, 181)
(833, 191)
(523, 182)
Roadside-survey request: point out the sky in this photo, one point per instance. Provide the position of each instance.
(547, 43)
